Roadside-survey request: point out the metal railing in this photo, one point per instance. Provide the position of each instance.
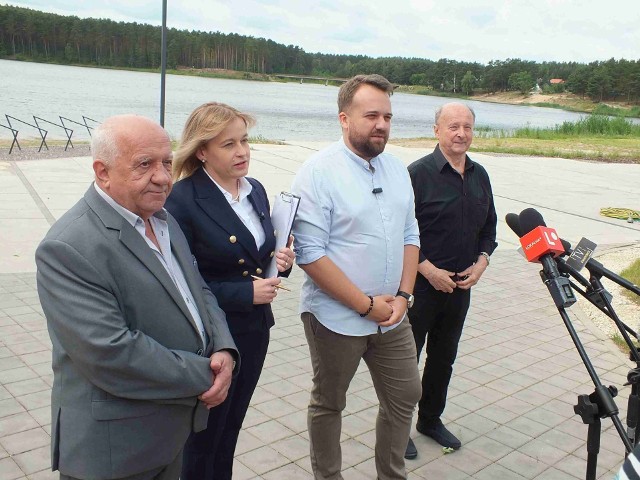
(43, 136)
(14, 132)
(43, 132)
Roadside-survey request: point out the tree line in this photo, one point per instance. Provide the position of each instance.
(47, 37)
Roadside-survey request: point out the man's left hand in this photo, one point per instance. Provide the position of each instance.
(473, 273)
(222, 368)
(399, 306)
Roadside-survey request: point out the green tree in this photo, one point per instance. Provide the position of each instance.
(418, 79)
(521, 81)
(599, 85)
(578, 80)
(468, 83)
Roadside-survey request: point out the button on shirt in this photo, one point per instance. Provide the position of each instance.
(363, 233)
(244, 209)
(456, 213)
(164, 255)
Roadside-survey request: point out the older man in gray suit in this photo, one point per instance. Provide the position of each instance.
(140, 346)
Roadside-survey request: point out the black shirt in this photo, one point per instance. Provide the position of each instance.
(456, 215)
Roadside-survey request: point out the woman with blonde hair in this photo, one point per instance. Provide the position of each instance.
(225, 216)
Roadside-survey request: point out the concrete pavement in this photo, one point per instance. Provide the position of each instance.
(515, 381)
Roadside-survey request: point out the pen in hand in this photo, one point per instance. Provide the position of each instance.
(277, 286)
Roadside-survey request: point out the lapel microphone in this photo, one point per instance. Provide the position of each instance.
(261, 215)
(377, 190)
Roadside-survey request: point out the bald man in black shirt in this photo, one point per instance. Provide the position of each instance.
(457, 220)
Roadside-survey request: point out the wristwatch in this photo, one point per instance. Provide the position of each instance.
(486, 256)
(408, 296)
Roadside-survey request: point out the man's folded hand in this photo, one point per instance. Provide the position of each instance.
(222, 368)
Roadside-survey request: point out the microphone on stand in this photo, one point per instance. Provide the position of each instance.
(540, 241)
(541, 244)
(513, 221)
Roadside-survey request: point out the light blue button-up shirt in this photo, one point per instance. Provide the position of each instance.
(362, 232)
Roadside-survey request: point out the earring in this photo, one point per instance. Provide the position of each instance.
(201, 159)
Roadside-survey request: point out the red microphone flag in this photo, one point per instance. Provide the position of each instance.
(541, 241)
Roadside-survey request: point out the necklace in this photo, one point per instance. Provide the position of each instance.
(237, 197)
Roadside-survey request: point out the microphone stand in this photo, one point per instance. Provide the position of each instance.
(600, 403)
(633, 377)
(598, 296)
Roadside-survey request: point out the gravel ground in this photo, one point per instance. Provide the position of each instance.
(55, 151)
(616, 260)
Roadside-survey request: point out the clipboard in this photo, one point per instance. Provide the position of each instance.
(285, 207)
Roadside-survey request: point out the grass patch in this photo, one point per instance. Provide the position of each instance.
(621, 344)
(35, 143)
(632, 273)
(603, 109)
(588, 148)
(593, 125)
(265, 141)
(599, 148)
(596, 137)
(420, 90)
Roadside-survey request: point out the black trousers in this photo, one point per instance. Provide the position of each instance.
(438, 317)
(208, 455)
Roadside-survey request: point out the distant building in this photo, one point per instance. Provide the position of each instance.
(556, 81)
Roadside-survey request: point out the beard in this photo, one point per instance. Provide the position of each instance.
(366, 146)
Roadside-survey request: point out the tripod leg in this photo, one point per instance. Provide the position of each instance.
(633, 411)
(593, 448)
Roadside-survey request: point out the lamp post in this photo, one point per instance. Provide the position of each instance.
(163, 61)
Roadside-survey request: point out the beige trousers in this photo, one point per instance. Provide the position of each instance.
(391, 358)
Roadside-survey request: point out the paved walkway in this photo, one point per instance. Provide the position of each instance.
(515, 381)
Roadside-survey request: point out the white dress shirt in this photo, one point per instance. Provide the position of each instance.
(244, 209)
(161, 229)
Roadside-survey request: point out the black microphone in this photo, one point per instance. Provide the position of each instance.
(377, 190)
(262, 216)
(567, 247)
(598, 270)
(513, 221)
(559, 286)
(529, 219)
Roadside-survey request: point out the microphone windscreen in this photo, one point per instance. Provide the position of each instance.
(566, 245)
(530, 218)
(513, 221)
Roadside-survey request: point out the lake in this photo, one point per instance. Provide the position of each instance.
(285, 111)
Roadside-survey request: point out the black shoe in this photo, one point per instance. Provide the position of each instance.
(411, 452)
(436, 430)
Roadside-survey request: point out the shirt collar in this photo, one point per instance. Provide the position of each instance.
(441, 160)
(243, 192)
(129, 216)
(367, 165)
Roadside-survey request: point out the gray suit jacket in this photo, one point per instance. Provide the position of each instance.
(128, 361)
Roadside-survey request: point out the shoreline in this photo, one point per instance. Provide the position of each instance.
(82, 150)
(562, 101)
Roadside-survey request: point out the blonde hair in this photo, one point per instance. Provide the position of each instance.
(205, 122)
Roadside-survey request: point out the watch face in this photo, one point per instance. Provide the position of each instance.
(409, 298)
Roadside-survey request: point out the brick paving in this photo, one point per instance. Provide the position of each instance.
(511, 399)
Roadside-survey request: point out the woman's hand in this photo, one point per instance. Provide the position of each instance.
(264, 290)
(285, 257)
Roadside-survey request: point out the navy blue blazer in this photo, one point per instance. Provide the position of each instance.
(224, 248)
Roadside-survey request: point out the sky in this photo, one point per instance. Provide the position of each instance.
(463, 30)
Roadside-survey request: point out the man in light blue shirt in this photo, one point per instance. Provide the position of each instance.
(357, 241)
